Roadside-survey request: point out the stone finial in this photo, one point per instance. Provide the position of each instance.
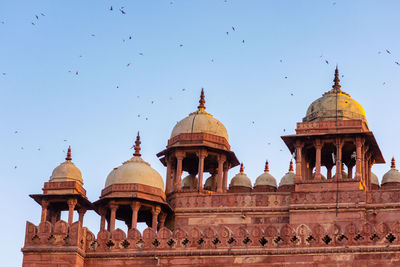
(241, 168)
(137, 146)
(336, 80)
(291, 166)
(266, 169)
(202, 101)
(393, 163)
(68, 154)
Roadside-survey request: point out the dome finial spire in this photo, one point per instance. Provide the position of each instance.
(68, 154)
(336, 86)
(393, 163)
(266, 166)
(291, 166)
(137, 146)
(202, 101)
(241, 168)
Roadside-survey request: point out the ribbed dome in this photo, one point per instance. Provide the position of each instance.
(66, 171)
(335, 104)
(240, 179)
(288, 178)
(265, 178)
(135, 171)
(392, 176)
(374, 179)
(200, 122)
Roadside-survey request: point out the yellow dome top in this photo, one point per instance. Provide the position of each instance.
(265, 178)
(240, 179)
(335, 104)
(66, 171)
(200, 122)
(135, 171)
(392, 176)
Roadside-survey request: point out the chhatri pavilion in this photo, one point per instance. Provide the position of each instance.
(327, 210)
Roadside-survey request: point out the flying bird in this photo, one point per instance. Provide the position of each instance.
(242, 41)
(397, 63)
(111, 8)
(233, 28)
(227, 33)
(42, 14)
(326, 61)
(130, 37)
(387, 51)
(4, 73)
(128, 64)
(140, 54)
(93, 35)
(37, 17)
(76, 73)
(123, 12)
(180, 45)
(33, 23)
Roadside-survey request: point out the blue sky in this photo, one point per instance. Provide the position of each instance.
(100, 110)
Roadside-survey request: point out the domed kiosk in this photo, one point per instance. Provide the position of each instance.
(63, 192)
(134, 192)
(287, 181)
(199, 143)
(334, 133)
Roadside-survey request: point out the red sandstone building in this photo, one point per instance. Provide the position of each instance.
(328, 211)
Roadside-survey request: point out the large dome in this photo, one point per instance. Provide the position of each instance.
(200, 122)
(335, 104)
(66, 171)
(135, 171)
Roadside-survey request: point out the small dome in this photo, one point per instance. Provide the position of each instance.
(210, 182)
(240, 179)
(322, 176)
(200, 122)
(66, 171)
(288, 178)
(265, 178)
(135, 171)
(190, 181)
(374, 179)
(392, 176)
(335, 104)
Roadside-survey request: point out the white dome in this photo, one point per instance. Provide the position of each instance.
(190, 181)
(288, 178)
(265, 178)
(66, 171)
(135, 171)
(240, 179)
(374, 179)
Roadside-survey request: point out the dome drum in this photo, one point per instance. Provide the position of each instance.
(264, 188)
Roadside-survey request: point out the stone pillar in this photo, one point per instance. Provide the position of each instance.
(318, 148)
(45, 205)
(81, 213)
(103, 213)
(202, 154)
(225, 179)
(359, 144)
(53, 216)
(135, 209)
(221, 161)
(339, 145)
(113, 208)
(163, 216)
(71, 207)
(168, 180)
(155, 211)
(299, 147)
(329, 172)
(179, 157)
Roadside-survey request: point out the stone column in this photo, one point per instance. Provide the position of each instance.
(329, 172)
(163, 216)
(221, 161)
(225, 179)
(202, 154)
(155, 211)
(299, 147)
(113, 208)
(168, 179)
(179, 157)
(359, 144)
(53, 216)
(45, 205)
(71, 207)
(81, 213)
(339, 145)
(103, 213)
(135, 206)
(318, 148)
